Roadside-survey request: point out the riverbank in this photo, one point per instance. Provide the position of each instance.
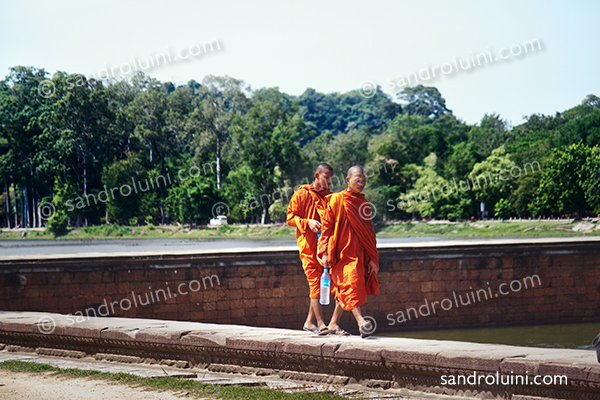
(447, 229)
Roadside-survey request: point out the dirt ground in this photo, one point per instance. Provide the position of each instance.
(28, 386)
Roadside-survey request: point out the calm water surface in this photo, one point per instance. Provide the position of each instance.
(565, 336)
(38, 247)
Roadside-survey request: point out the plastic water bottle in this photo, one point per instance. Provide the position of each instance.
(325, 288)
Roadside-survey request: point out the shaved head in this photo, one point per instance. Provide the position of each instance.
(323, 176)
(324, 167)
(356, 169)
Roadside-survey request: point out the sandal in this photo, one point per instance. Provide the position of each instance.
(339, 332)
(311, 330)
(323, 332)
(366, 329)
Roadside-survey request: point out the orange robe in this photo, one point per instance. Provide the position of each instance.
(349, 239)
(308, 202)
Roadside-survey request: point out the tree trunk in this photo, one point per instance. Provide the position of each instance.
(162, 193)
(26, 204)
(7, 205)
(16, 205)
(265, 219)
(218, 163)
(34, 220)
(85, 187)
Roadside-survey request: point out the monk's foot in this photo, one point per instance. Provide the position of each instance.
(366, 329)
(310, 328)
(324, 330)
(339, 332)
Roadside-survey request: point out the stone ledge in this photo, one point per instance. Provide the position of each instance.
(376, 361)
(278, 251)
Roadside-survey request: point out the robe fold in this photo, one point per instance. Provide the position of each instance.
(308, 202)
(349, 239)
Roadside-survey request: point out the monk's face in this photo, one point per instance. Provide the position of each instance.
(356, 182)
(323, 178)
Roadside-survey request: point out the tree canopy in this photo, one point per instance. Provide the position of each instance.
(77, 151)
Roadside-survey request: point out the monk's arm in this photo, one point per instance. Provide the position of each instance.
(293, 215)
(374, 263)
(373, 267)
(327, 229)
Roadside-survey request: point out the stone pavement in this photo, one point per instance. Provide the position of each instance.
(228, 354)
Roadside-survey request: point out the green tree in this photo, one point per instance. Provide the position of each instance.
(426, 101)
(150, 111)
(428, 191)
(589, 179)
(131, 182)
(27, 97)
(265, 140)
(502, 209)
(491, 133)
(59, 220)
(78, 135)
(219, 100)
(592, 101)
(561, 186)
(492, 179)
(194, 200)
(461, 161)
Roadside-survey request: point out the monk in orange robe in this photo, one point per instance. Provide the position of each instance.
(348, 246)
(305, 211)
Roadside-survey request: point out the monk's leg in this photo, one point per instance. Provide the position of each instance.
(335, 318)
(309, 324)
(315, 308)
(365, 328)
(313, 271)
(358, 316)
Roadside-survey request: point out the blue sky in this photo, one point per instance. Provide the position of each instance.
(331, 46)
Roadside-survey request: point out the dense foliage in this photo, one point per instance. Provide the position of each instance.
(77, 151)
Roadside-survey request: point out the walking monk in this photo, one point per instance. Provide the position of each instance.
(348, 246)
(305, 213)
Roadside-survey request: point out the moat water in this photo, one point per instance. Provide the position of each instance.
(563, 336)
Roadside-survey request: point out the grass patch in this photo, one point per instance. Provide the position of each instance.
(189, 387)
(483, 229)
(241, 231)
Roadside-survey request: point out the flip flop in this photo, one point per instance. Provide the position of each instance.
(324, 331)
(313, 330)
(339, 332)
(365, 330)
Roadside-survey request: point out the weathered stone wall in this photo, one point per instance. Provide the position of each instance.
(556, 282)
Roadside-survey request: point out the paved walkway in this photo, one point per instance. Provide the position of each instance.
(225, 354)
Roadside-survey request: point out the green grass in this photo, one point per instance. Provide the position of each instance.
(484, 229)
(403, 229)
(191, 388)
(155, 232)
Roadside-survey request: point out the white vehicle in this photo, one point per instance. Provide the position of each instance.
(220, 220)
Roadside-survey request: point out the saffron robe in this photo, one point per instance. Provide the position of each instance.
(308, 202)
(349, 239)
